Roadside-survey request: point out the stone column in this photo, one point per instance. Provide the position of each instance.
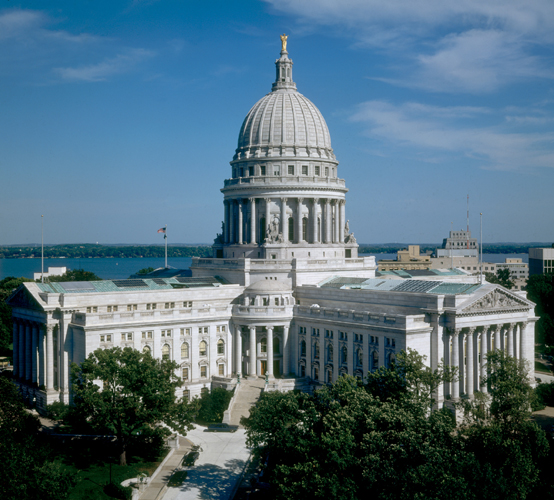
(299, 224)
(523, 340)
(41, 356)
(517, 354)
(226, 219)
(456, 362)
(284, 228)
(49, 357)
(510, 339)
(252, 363)
(286, 369)
(21, 351)
(309, 347)
(314, 219)
(327, 221)
(231, 221)
(267, 216)
(28, 352)
(342, 220)
(241, 223)
(34, 353)
(469, 363)
(337, 223)
(253, 222)
(497, 333)
(269, 351)
(238, 350)
(484, 345)
(15, 343)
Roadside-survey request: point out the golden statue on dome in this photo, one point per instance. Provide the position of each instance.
(284, 42)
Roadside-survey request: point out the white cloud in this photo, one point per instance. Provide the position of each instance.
(431, 130)
(99, 72)
(472, 46)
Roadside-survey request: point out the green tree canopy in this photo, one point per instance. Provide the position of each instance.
(145, 270)
(502, 277)
(540, 290)
(123, 391)
(75, 275)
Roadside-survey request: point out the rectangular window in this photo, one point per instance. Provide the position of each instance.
(89, 309)
(166, 333)
(185, 375)
(102, 338)
(150, 306)
(147, 335)
(221, 370)
(204, 330)
(304, 169)
(186, 395)
(291, 169)
(187, 304)
(262, 169)
(109, 309)
(317, 170)
(108, 338)
(251, 171)
(276, 170)
(222, 328)
(326, 171)
(203, 371)
(92, 309)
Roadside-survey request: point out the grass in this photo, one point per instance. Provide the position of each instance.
(542, 367)
(90, 461)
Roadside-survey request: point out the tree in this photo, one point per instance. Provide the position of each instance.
(124, 391)
(540, 290)
(146, 270)
(502, 277)
(75, 275)
(26, 472)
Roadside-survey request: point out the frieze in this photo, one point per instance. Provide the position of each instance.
(495, 301)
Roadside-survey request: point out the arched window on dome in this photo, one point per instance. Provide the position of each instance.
(305, 229)
(291, 229)
(165, 352)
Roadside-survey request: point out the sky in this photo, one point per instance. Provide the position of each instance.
(119, 117)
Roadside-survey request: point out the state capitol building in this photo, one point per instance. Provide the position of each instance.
(285, 293)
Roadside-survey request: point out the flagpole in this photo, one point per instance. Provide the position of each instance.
(165, 238)
(42, 248)
(481, 252)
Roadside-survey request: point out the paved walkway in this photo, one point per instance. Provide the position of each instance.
(218, 468)
(249, 393)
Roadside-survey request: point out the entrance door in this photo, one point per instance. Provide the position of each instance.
(263, 365)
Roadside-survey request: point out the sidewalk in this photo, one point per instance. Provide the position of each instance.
(158, 486)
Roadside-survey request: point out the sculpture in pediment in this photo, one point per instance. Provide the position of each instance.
(495, 300)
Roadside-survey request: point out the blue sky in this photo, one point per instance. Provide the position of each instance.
(118, 117)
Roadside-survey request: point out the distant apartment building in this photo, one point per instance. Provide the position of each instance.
(541, 261)
(406, 259)
(52, 271)
(458, 244)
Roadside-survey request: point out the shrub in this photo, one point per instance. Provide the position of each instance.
(57, 410)
(115, 490)
(213, 405)
(545, 393)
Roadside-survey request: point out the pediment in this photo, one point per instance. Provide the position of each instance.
(494, 301)
(24, 299)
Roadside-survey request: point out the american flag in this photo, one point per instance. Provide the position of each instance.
(162, 230)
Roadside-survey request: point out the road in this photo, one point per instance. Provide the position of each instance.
(217, 470)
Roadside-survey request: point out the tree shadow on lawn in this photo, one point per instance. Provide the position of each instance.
(213, 481)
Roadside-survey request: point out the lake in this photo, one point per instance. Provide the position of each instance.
(115, 268)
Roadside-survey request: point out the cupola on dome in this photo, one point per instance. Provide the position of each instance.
(284, 122)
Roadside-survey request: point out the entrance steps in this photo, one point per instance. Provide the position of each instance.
(247, 396)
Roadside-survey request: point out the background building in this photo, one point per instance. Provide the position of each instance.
(541, 261)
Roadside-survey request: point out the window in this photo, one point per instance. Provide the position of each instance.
(132, 307)
(316, 372)
(303, 348)
(329, 376)
(185, 331)
(203, 348)
(146, 349)
(166, 333)
(302, 371)
(102, 338)
(220, 347)
(186, 394)
(326, 171)
(112, 309)
(165, 352)
(262, 169)
(263, 345)
(316, 350)
(147, 335)
(291, 169)
(291, 229)
(375, 361)
(127, 336)
(344, 354)
(184, 350)
(276, 170)
(92, 309)
(241, 172)
(150, 306)
(221, 370)
(304, 169)
(220, 329)
(203, 329)
(276, 301)
(360, 357)
(184, 375)
(317, 170)
(204, 374)
(169, 305)
(251, 171)
(330, 353)
(187, 304)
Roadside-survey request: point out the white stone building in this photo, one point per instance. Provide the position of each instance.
(285, 293)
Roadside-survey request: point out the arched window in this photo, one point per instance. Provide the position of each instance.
(303, 348)
(302, 371)
(184, 350)
(305, 228)
(220, 347)
(329, 376)
(360, 357)
(330, 353)
(276, 345)
(203, 348)
(392, 358)
(375, 360)
(146, 349)
(316, 350)
(263, 345)
(165, 352)
(316, 373)
(291, 229)
(344, 354)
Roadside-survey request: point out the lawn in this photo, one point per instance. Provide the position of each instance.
(542, 367)
(92, 462)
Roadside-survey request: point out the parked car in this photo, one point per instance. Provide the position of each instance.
(222, 428)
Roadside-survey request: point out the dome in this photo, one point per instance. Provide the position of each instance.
(284, 123)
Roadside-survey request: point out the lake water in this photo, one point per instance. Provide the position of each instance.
(123, 268)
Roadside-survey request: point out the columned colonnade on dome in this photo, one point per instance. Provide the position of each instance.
(466, 349)
(315, 220)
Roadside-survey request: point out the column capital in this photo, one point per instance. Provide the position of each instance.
(267, 200)
(471, 330)
(252, 328)
(283, 200)
(326, 201)
(268, 328)
(316, 201)
(300, 200)
(251, 199)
